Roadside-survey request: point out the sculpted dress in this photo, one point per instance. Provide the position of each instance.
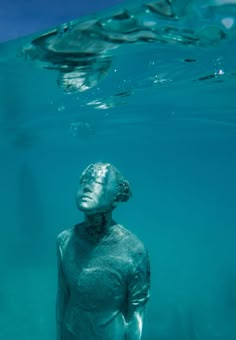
(101, 283)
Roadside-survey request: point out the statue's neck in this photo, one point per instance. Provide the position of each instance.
(97, 225)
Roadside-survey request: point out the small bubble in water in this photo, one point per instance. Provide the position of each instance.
(61, 108)
(220, 72)
(219, 69)
(82, 129)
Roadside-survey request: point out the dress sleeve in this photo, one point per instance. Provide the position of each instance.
(62, 292)
(139, 282)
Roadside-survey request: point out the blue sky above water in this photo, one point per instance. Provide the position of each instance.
(23, 17)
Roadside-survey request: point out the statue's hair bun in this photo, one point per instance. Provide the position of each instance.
(124, 191)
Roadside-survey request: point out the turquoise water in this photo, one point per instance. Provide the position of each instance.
(150, 89)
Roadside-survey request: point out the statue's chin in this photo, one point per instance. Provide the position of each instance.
(85, 207)
(88, 209)
(93, 211)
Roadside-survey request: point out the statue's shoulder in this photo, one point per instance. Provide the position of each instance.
(131, 241)
(64, 237)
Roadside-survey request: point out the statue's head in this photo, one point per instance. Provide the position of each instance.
(102, 187)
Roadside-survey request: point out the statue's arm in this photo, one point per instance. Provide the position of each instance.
(138, 295)
(134, 325)
(62, 293)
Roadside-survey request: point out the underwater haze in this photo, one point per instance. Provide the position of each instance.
(149, 87)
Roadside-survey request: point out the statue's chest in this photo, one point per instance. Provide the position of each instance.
(96, 274)
(80, 258)
(77, 256)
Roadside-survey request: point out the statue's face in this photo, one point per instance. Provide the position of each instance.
(97, 190)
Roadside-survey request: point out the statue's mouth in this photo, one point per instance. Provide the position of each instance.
(85, 197)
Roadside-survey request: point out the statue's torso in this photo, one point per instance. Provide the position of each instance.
(97, 275)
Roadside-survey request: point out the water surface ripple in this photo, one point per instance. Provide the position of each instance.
(82, 51)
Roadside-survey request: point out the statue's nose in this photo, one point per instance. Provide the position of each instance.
(87, 188)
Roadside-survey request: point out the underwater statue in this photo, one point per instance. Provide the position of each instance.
(103, 269)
